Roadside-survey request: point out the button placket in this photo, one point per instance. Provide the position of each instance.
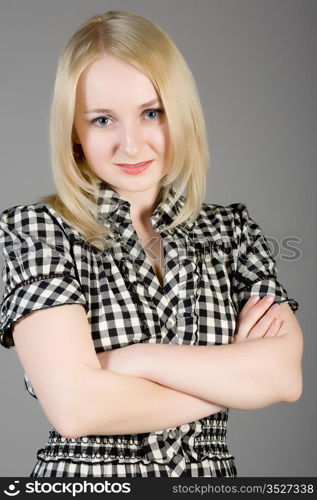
(189, 282)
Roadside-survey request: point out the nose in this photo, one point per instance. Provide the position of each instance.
(130, 138)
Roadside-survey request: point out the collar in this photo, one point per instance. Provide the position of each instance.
(112, 206)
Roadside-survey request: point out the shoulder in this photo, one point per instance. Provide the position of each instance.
(225, 213)
(35, 218)
(223, 222)
(35, 227)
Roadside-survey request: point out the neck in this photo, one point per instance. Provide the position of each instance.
(142, 205)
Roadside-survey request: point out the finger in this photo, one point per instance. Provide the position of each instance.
(262, 326)
(259, 309)
(247, 322)
(274, 328)
(248, 305)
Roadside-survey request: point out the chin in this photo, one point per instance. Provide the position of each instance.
(136, 183)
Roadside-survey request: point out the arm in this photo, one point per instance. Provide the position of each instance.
(247, 375)
(78, 397)
(122, 404)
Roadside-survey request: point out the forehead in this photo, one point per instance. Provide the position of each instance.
(114, 80)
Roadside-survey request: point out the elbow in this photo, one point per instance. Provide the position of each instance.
(68, 426)
(69, 404)
(72, 427)
(71, 433)
(68, 431)
(294, 389)
(59, 417)
(71, 422)
(293, 374)
(79, 416)
(82, 417)
(294, 395)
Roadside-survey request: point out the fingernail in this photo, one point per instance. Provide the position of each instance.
(255, 298)
(269, 298)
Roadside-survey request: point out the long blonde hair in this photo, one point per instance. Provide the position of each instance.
(140, 42)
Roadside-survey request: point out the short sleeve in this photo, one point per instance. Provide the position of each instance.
(39, 269)
(255, 269)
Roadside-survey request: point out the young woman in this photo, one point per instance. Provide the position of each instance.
(158, 331)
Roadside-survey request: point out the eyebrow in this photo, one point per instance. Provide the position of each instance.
(103, 110)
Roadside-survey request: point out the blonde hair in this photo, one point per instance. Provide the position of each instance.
(140, 42)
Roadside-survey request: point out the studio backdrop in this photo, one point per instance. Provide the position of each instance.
(254, 62)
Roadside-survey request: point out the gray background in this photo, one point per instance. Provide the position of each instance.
(254, 62)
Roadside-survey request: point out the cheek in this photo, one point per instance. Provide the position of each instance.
(160, 139)
(95, 144)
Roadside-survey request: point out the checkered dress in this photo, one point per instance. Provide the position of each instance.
(212, 267)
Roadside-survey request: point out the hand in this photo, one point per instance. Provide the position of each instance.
(256, 319)
(125, 360)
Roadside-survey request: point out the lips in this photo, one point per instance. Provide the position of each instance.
(134, 169)
(133, 164)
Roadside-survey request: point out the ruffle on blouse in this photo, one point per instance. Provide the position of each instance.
(201, 256)
(171, 314)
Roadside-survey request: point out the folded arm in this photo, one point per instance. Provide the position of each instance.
(248, 375)
(79, 397)
(121, 404)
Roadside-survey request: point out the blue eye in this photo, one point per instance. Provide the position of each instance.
(154, 110)
(95, 120)
(98, 123)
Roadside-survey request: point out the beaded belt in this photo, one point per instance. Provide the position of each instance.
(205, 438)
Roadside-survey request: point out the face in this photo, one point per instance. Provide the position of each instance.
(115, 126)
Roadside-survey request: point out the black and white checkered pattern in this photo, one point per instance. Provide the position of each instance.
(212, 267)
